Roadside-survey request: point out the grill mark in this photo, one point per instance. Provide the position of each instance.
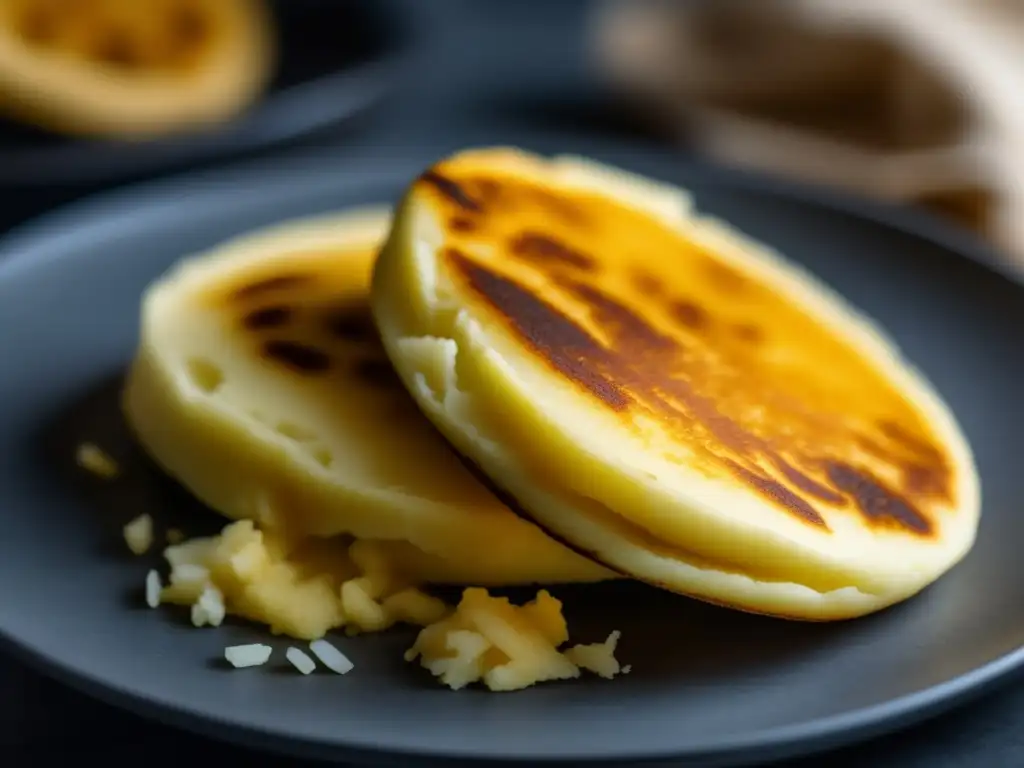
(875, 500)
(351, 324)
(543, 249)
(451, 190)
(691, 315)
(567, 346)
(807, 484)
(378, 373)
(188, 27)
(267, 317)
(646, 283)
(777, 491)
(623, 323)
(297, 356)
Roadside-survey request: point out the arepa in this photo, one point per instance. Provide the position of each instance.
(666, 395)
(132, 68)
(260, 385)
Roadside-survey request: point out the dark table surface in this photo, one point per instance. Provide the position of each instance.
(490, 67)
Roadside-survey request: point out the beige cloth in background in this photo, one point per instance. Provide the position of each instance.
(916, 101)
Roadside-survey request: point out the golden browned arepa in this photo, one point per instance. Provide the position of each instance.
(666, 395)
(132, 68)
(260, 385)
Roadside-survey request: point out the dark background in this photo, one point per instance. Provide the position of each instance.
(487, 68)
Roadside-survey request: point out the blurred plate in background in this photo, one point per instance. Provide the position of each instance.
(336, 59)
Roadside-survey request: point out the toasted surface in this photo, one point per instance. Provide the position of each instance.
(260, 384)
(125, 68)
(666, 395)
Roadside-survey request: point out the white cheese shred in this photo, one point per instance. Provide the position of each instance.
(300, 660)
(331, 657)
(253, 655)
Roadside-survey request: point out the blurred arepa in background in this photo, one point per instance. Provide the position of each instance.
(132, 69)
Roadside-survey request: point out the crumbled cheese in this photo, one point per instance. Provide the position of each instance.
(489, 640)
(92, 458)
(331, 657)
(138, 534)
(253, 655)
(364, 614)
(153, 588)
(209, 608)
(598, 658)
(300, 660)
(187, 584)
(466, 666)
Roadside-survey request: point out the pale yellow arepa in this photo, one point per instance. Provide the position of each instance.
(667, 396)
(259, 383)
(132, 68)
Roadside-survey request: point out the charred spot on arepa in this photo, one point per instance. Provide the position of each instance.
(690, 314)
(547, 250)
(117, 49)
(351, 323)
(462, 224)
(376, 372)
(450, 189)
(187, 26)
(629, 332)
(925, 480)
(879, 504)
(646, 283)
(925, 470)
(806, 483)
(297, 356)
(38, 23)
(563, 343)
(262, 318)
(778, 492)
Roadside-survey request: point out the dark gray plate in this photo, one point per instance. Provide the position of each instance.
(708, 686)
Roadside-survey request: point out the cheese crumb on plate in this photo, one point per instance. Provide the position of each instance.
(94, 459)
(253, 655)
(300, 660)
(305, 590)
(153, 588)
(507, 647)
(138, 534)
(331, 657)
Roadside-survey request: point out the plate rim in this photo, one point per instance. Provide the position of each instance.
(90, 216)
